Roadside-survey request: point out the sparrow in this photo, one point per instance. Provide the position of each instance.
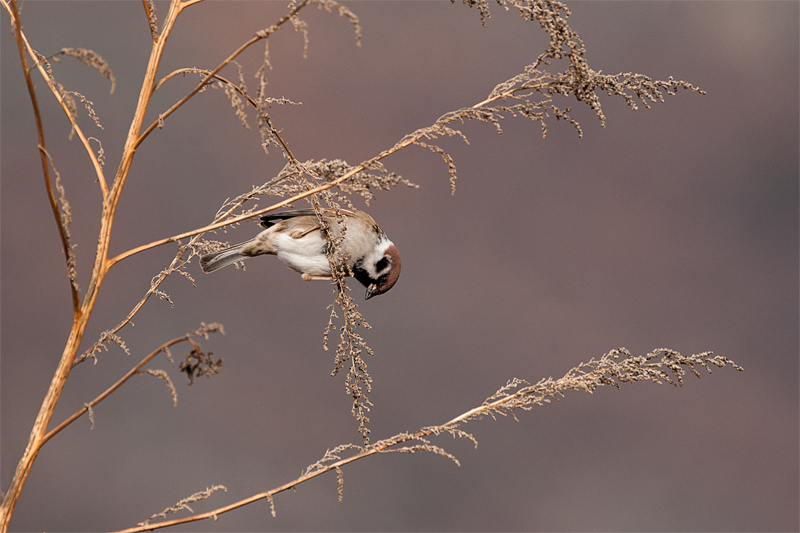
(296, 237)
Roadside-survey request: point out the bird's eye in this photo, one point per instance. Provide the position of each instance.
(382, 279)
(383, 263)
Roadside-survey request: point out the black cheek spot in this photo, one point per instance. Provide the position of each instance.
(383, 263)
(361, 275)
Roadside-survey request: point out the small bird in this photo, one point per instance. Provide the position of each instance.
(297, 239)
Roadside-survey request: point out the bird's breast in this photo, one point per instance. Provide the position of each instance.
(305, 255)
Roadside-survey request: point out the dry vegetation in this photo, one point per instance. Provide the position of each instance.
(531, 94)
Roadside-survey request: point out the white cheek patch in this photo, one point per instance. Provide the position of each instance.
(377, 263)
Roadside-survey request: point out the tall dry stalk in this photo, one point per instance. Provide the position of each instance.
(83, 307)
(530, 94)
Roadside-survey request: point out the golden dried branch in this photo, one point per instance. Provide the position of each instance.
(203, 331)
(22, 42)
(660, 366)
(111, 196)
(264, 34)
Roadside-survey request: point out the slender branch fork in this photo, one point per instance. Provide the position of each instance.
(22, 42)
(132, 372)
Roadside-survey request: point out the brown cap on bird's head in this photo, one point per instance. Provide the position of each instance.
(388, 280)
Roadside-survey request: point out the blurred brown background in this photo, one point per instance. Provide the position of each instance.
(672, 227)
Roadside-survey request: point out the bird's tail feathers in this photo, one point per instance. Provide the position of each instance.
(222, 258)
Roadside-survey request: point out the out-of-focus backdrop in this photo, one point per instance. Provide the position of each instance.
(672, 227)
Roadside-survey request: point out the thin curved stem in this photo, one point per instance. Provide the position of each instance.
(209, 74)
(133, 371)
(62, 230)
(254, 39)
(23, 40)
(586, 377)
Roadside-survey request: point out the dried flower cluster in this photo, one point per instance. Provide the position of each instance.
(531, 92)
(163, 376)
(198, 363)
(92, 59)
(184, 503)
(659, 366)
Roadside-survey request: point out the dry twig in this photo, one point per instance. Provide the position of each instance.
(614, 368)
(203, 331)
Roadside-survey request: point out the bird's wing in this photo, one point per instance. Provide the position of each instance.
(273, 218)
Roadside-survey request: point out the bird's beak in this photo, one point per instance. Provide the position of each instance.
(372, 290)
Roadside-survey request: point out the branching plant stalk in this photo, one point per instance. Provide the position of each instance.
(132, 372)
(83, 310)
(403, 143)
(516, 394)
(110, 200)
(23, 44)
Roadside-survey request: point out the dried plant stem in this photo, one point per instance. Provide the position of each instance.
(516, 394)
(100, 268)
(254, 39)
(132, 372)
(62, 230)
(261, 496)
(403, 143)
(40, 425)
(23, 44)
